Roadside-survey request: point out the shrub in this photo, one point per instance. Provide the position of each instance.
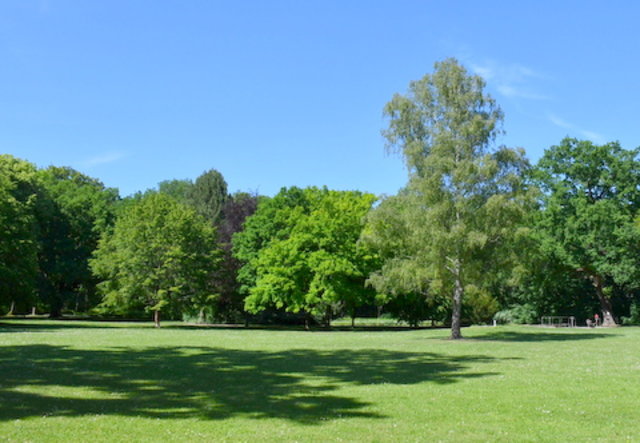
(479, 306)
(634, 315)
(519, 314)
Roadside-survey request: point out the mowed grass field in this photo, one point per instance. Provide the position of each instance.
(84, 381)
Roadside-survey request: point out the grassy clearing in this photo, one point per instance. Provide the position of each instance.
(118, 381)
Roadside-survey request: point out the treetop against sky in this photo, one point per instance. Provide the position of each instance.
(291, 93)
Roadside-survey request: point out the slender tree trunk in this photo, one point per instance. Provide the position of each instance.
(605, 303)
(12, 308)
(353, 320)
(156, 318)
(458, 292)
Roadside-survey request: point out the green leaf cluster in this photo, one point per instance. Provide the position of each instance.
(18, 231)
(301, 252)
(159, 257)
(589, 204)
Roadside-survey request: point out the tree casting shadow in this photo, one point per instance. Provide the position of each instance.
(520, 336)
(208, 383)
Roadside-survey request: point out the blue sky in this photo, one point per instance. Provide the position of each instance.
(282, 93)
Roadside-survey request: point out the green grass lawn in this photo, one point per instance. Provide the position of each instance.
(83, 381)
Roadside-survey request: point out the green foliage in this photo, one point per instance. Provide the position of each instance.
(517, 314)
(159, 257)
(178, 189)
(402, 281)
(75, 211)
(590, 201)
(268, 223)
(634, 315)
(463, 203)
(414, 308)
(301, 252)
(479, 306)
(208, 195)
(18, 232)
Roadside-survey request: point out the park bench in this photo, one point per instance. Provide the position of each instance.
(558, 321)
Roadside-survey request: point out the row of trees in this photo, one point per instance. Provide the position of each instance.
(477, 232)
(51, 221)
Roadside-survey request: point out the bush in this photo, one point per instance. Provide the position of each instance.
(479, 307)
(634, 315)
(519, 314)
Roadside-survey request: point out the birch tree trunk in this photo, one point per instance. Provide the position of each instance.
(458, 292)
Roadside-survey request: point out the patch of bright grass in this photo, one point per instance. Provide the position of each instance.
(83, 381)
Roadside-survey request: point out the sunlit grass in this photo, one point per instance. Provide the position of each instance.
(83, 381)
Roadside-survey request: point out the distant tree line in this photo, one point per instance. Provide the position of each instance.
(477, 234)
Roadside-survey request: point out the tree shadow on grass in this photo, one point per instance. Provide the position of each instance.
(538, 336)
(209, 383)
(46, 324)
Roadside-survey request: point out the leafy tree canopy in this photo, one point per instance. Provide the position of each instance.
(208, 195)
(18, 231)
(159, 257)
(590, 201)
(302, 254)
(75, 211)
(178, 189)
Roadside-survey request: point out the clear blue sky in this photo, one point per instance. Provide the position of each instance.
(282, 93)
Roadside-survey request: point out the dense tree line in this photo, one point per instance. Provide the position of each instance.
(477, 233)
(51, 221)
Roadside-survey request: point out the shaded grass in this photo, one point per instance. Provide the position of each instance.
(210, 383)
(118, 381)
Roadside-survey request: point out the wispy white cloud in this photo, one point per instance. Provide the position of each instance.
(511, 80)
(591, 135)
(513, 92)
(559, 122)
(102, 159)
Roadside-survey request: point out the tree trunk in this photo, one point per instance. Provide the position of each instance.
(55, 310)
(605, 303)
(353, 320)
(12, 308)
(458, 292)
(156, 318)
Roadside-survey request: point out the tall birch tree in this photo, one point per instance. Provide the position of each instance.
(464, 196)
